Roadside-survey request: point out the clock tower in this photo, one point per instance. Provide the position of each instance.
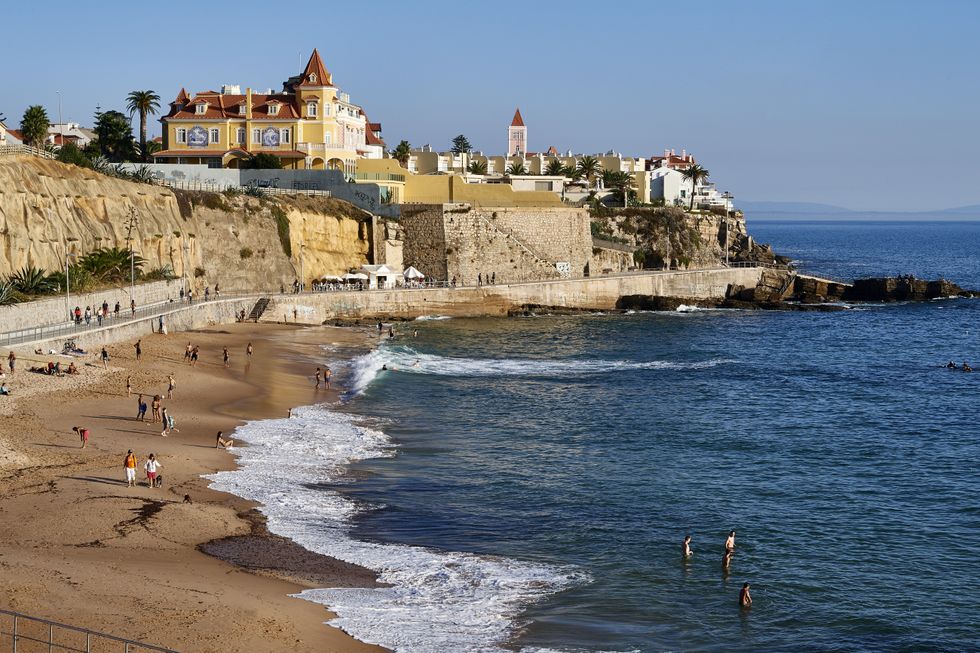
(517, 136)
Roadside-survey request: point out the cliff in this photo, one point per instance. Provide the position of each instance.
(240, 242)
(690, 240)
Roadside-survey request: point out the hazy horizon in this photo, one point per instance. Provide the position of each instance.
(868, 106)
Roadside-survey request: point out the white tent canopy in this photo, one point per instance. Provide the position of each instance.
(413, 273)
(355, 276)
(329, 277)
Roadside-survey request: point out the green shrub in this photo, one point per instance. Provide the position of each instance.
(199, 272)
(282, 227)
(245, 252)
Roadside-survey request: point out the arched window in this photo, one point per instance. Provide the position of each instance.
(313, 78)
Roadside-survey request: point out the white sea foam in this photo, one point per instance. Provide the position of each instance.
(404, 359)
(437, 602)
(431, 318)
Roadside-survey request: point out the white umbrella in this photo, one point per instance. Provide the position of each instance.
(412, 273)
(355, 276)
(329, 277)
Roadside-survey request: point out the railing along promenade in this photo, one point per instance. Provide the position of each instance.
(70, 329)
(14, 150)
(27, 634)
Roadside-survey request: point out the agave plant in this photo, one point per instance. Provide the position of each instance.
(142, 175)
(111, 263)
(32, 281)
(102, 165)
(8, 294)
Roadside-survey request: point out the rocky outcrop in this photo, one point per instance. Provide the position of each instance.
(48, 208)
(892, 289)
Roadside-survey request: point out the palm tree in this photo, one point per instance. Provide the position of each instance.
(556, 168)
(516, 169)
(697, 175)
(478, 167)
(34, 125)
(143, 103)
(402, 153)
(623, 183)
(589, 167)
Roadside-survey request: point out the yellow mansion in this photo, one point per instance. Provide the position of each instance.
(311, 124)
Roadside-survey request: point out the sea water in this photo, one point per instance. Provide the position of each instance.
(525, 484)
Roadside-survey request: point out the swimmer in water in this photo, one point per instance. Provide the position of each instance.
(384, 368)
(686, 547)
(744, 598)
(417, 363)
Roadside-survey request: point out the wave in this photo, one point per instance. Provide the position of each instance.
(431, 318)
(367, 367)
(435, 601)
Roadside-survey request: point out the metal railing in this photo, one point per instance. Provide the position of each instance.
(27, 634)
(215, 187)
(126, 316)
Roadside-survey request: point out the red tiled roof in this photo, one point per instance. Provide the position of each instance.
(16, 133)
(518, 121)
(315, 66)
(226, 106)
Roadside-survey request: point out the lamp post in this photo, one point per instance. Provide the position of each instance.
(187, 254)
(68, 256)
(302, 266)
(130, 225)
(728, 201)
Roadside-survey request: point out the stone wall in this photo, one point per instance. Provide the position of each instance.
(510, 244)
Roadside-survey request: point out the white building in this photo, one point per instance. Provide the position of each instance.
(60, 133)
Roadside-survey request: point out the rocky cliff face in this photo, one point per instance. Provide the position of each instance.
(47, 207)
(688, 240)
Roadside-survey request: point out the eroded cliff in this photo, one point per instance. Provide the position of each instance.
(48, 208)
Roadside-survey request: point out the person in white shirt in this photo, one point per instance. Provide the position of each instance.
(151, 466)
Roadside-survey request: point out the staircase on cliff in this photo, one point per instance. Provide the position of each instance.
(259, 309)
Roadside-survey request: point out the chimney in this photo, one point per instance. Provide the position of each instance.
(666, 152)
(684, 154)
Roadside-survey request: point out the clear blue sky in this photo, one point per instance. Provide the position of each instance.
(868, 105)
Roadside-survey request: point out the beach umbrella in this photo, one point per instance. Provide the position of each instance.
(412, 273)
(354, 276)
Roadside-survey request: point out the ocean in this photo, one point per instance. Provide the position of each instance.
(525, 484)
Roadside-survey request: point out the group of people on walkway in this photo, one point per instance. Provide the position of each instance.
(744, 595)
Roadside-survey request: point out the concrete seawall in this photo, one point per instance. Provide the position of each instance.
(598, 293)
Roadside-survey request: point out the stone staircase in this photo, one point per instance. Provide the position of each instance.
(259, 309)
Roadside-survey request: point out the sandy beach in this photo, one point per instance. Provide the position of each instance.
(80, 547)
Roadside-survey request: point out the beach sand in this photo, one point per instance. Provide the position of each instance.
(80, 547)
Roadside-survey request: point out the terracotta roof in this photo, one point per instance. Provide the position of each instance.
(370, 137)
(226, 106)
(16, 133)
(182, 96)
(518, 121)
(315, 66)
(552, 151)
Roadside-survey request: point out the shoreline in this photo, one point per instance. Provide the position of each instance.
(141, 563)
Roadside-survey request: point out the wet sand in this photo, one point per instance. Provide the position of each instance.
(80, 547)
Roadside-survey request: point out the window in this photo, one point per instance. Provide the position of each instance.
(201, 108)
(257, 136)
(241, 109)
(214, 135)
(181, 135)
(326, 109)
(241, 135)
(273, 109)
(284, 136)
(327, 138)
(313, 78)
(311, 109)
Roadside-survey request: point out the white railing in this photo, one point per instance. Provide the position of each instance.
(215, 187)
(29, 633)
(13, 150)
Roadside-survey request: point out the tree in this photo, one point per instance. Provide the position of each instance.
(461, 145)
(697, 175)
(622, 182)
(556, 168)
(516, 169)
(114, 136)
(144, 103)
(589, 167)
(402, 153)
(71, 153)
(152, 147)
(263, 161)
(477, 167)
(34, 125)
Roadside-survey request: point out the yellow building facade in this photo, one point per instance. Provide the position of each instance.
(311, 124)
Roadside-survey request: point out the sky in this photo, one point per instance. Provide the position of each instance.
(869, 105)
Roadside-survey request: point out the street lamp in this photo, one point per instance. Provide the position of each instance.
(728, 202)
(302, 266)
(68, 256)
(187, 255)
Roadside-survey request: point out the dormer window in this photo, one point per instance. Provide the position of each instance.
(241, 109)
(313, 78)
(311, 109)
(273, 109)
(201, 109)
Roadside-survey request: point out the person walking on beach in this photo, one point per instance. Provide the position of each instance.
(152, 465)
(221, 442)
(139, 349)
(141, 409)
(105, 359)
(130, 466)
(226, 356)
(744, 598)
(164, 417)
(187, 352)
(171, 386)
(82, 434)
(317, 375)
(686, 547)
(327, 373)
(248, 348)
(11, 362)
(171, 424)
(194, 355)
(129, 386)
(155, 409)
